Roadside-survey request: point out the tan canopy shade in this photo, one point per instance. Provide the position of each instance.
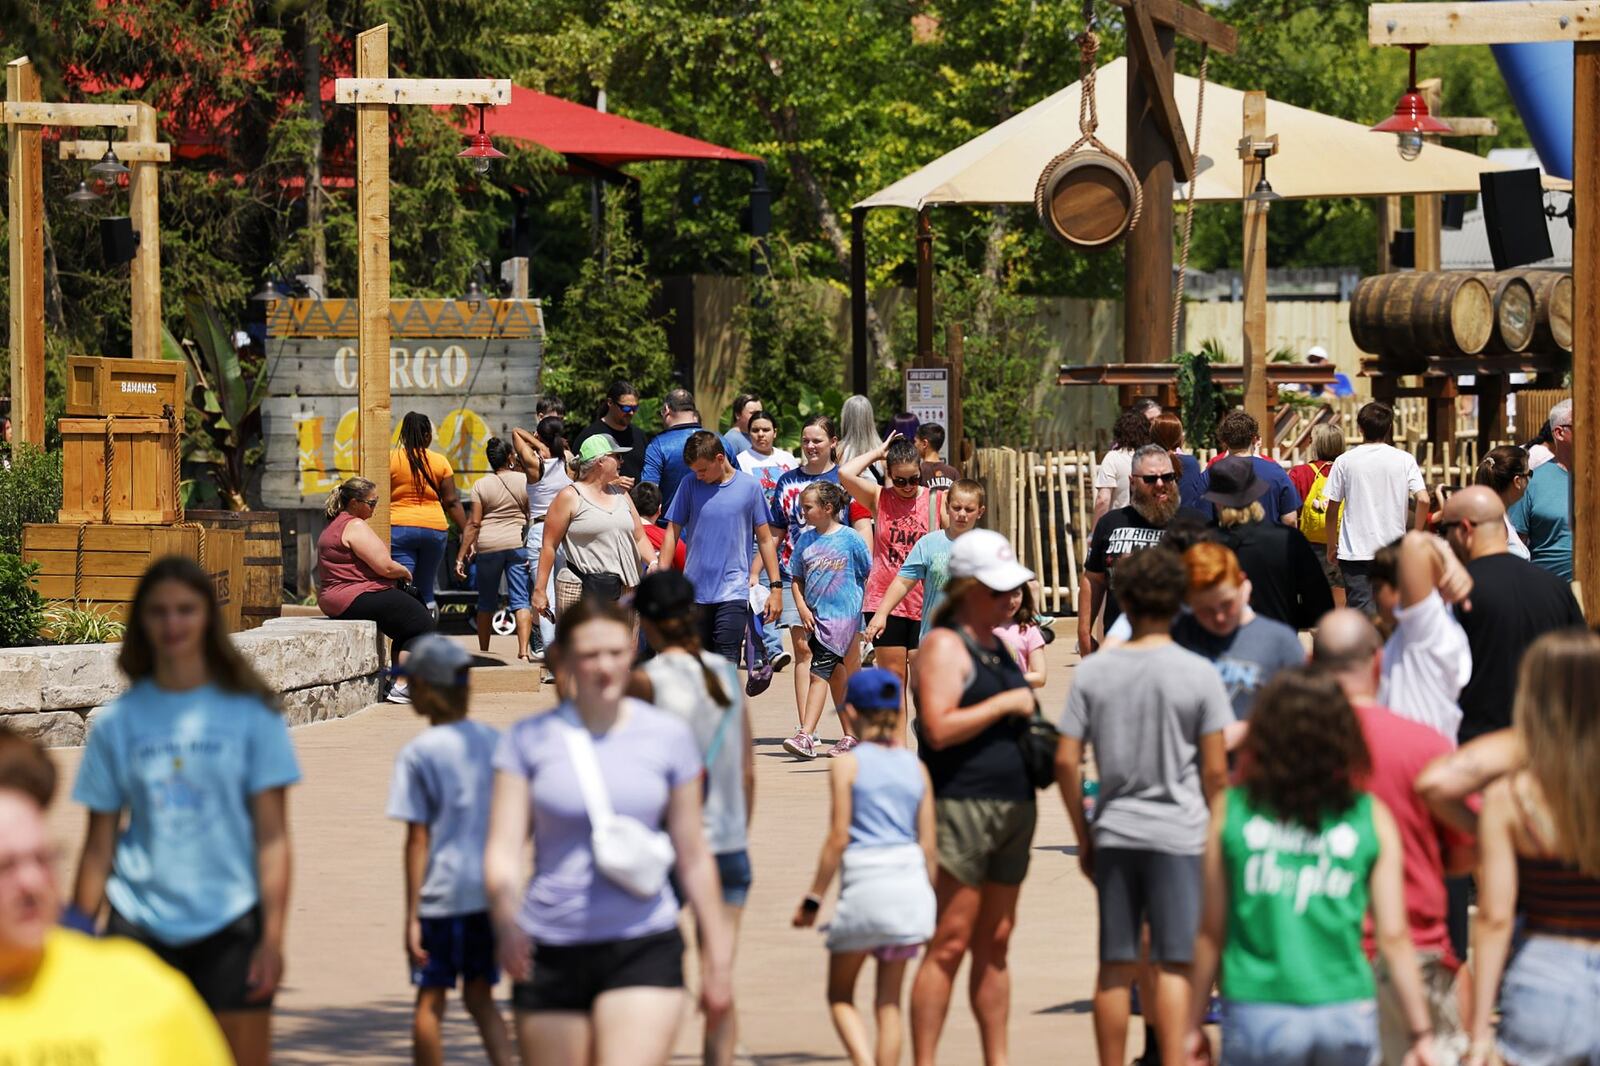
(1318, 155)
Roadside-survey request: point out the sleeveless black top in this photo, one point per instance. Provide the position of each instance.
(989, 765)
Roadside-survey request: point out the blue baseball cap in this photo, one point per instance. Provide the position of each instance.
(873, 688)
(436, 660)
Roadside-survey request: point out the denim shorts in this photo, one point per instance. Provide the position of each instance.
(513, 563)
(733, 868)
(1276, 1034)
(1547, 1003)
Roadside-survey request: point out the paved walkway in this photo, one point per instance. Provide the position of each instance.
(347, 998)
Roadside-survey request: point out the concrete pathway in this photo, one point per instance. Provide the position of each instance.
(346, 996)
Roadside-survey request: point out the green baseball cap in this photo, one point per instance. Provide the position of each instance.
(597, 445)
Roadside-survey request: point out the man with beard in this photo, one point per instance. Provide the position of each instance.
(1153, 504)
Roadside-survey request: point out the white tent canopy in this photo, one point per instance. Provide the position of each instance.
(1318, 155)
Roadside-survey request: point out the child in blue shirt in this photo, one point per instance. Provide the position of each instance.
(442, 784)
(830, 566)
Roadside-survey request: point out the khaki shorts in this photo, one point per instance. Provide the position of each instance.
(985, 839)
(1439, 986)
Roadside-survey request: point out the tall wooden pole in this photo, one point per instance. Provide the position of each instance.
(1586, 323)
(924, 287)
(1147, 262)
(144, 208)
(1256, 401)
(1429, 210)
(1389, 211)
(375, 422)
(25, 230)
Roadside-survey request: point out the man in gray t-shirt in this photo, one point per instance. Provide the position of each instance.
(1155, 715)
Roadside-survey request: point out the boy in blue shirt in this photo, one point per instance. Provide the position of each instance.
(441, 789)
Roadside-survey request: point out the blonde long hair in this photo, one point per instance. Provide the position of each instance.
(1228, 517)
(345, 493)
(1554, 716)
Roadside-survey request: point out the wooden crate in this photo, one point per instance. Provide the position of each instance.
(115, 557)
(262, 591)
(144, 451)
(98, 386)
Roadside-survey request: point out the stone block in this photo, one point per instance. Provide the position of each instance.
(295, 653)
(20, 680)
(53, 729)
(73, 676)
(319, 703)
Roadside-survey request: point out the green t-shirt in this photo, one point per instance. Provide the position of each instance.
(1296, 900)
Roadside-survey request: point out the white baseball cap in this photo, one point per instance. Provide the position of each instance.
(1317, 352)
(987, 556)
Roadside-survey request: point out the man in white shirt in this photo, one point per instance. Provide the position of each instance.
(1375, 493)
(1427, 659)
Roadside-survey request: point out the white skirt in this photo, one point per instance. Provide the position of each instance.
(885, 899)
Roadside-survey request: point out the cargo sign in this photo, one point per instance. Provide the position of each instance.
(477, 379)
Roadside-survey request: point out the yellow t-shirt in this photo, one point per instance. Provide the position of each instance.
(414, 503)
(110, 1003)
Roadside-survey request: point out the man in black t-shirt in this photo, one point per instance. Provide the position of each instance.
(1153, 496)
(1513, 603)
(616, 422)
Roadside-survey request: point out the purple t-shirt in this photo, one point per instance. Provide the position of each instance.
(719, 524)
(642, 759)
(833, 570)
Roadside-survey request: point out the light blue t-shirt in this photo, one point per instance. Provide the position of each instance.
(444, 779)
(718, 523)
(184, 765)
(929, 563)
(1543, 514)
(734, 442)
(834, 569)
(663, 459)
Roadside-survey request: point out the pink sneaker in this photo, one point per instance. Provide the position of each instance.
(801, 746)
(846, 743)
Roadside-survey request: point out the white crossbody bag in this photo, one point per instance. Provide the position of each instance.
(628, 853)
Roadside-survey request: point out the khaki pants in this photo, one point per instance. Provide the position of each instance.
(1439, 986)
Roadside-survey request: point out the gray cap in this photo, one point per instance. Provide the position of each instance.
(437, 660)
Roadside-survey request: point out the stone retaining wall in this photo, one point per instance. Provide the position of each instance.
(320, 667)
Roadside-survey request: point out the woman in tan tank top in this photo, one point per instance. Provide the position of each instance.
(493, 537)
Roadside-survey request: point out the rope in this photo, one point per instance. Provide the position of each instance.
(111, 462)
(1188, 204)
(77, 566)
(177, 491)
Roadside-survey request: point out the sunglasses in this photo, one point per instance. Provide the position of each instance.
(1446, 527)
(372, 502)
(627, 408)
(905, 482)
(1152, 479)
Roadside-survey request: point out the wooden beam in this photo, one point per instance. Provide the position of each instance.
(1427, 211)
(1508, 22)
(25, 231)
(34, 113)
(1586, 320)
(1147, 259)
(372, 292)
(1471, 127)
(1155, 67)
(144, 207)
(125, 151)
(450, 91)
(1257, 401)
(1389, 210)
(1192, 23)
(924, 287)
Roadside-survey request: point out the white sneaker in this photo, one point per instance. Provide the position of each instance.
(400, 693)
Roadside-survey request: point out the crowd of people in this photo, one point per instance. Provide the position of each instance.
(1314, 722)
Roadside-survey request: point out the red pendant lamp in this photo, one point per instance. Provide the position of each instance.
(1411, 119)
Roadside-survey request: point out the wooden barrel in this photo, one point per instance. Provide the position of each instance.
(1552, 309)
(1087, 199)
(1410, 317)
(263, 559)
(1513, 312)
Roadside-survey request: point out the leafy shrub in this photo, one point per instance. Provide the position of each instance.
(30, 491)
(21, 609)
(65, 622)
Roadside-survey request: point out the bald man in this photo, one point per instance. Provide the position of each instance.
(1350, 648)
(1514, 603)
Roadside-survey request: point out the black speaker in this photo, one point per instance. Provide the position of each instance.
(1513, 215)
(1403, 250)
(1453, 212)
(118, 242)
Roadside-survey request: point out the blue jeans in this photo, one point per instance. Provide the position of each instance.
(1285, 1034)
(547, 628)
(513, 563)
(722, 628)
(1547, 1004)
(1358, 585)
(420, 551)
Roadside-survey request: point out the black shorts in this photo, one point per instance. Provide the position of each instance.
(900, 632)
(570, 977)
(1137, 886)
(460, 948)
(218, 965)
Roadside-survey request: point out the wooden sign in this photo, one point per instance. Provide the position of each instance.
(473, 371)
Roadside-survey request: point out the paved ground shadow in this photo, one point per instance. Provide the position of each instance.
(378, 1032)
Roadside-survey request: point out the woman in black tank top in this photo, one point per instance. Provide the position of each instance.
(973, 703)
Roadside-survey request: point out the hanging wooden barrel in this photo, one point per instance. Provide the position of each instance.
(1087, 199)
(1512, 297)
(263, 559)
(1552, 309)
(1410, 317)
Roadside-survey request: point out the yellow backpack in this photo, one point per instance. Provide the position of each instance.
(1314, 520)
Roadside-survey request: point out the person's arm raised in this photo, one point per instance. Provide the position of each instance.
(531, 453)
(943, 668)
(1447, 781)
(852, 475)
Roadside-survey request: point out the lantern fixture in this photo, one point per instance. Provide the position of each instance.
(1411, 120)
(1263, 194)
(480, 147)
(109, 167)
(84, 197)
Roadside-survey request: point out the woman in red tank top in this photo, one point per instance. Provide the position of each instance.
(903, 512)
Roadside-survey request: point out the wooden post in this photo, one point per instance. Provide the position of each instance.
(924, 286)
(1147, 260)
(144, 208)
(1428, 210)
(25, 230)
(1586, 320)
(1256, 400)
(1389, 213)
(375, 422)
(955, 432)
